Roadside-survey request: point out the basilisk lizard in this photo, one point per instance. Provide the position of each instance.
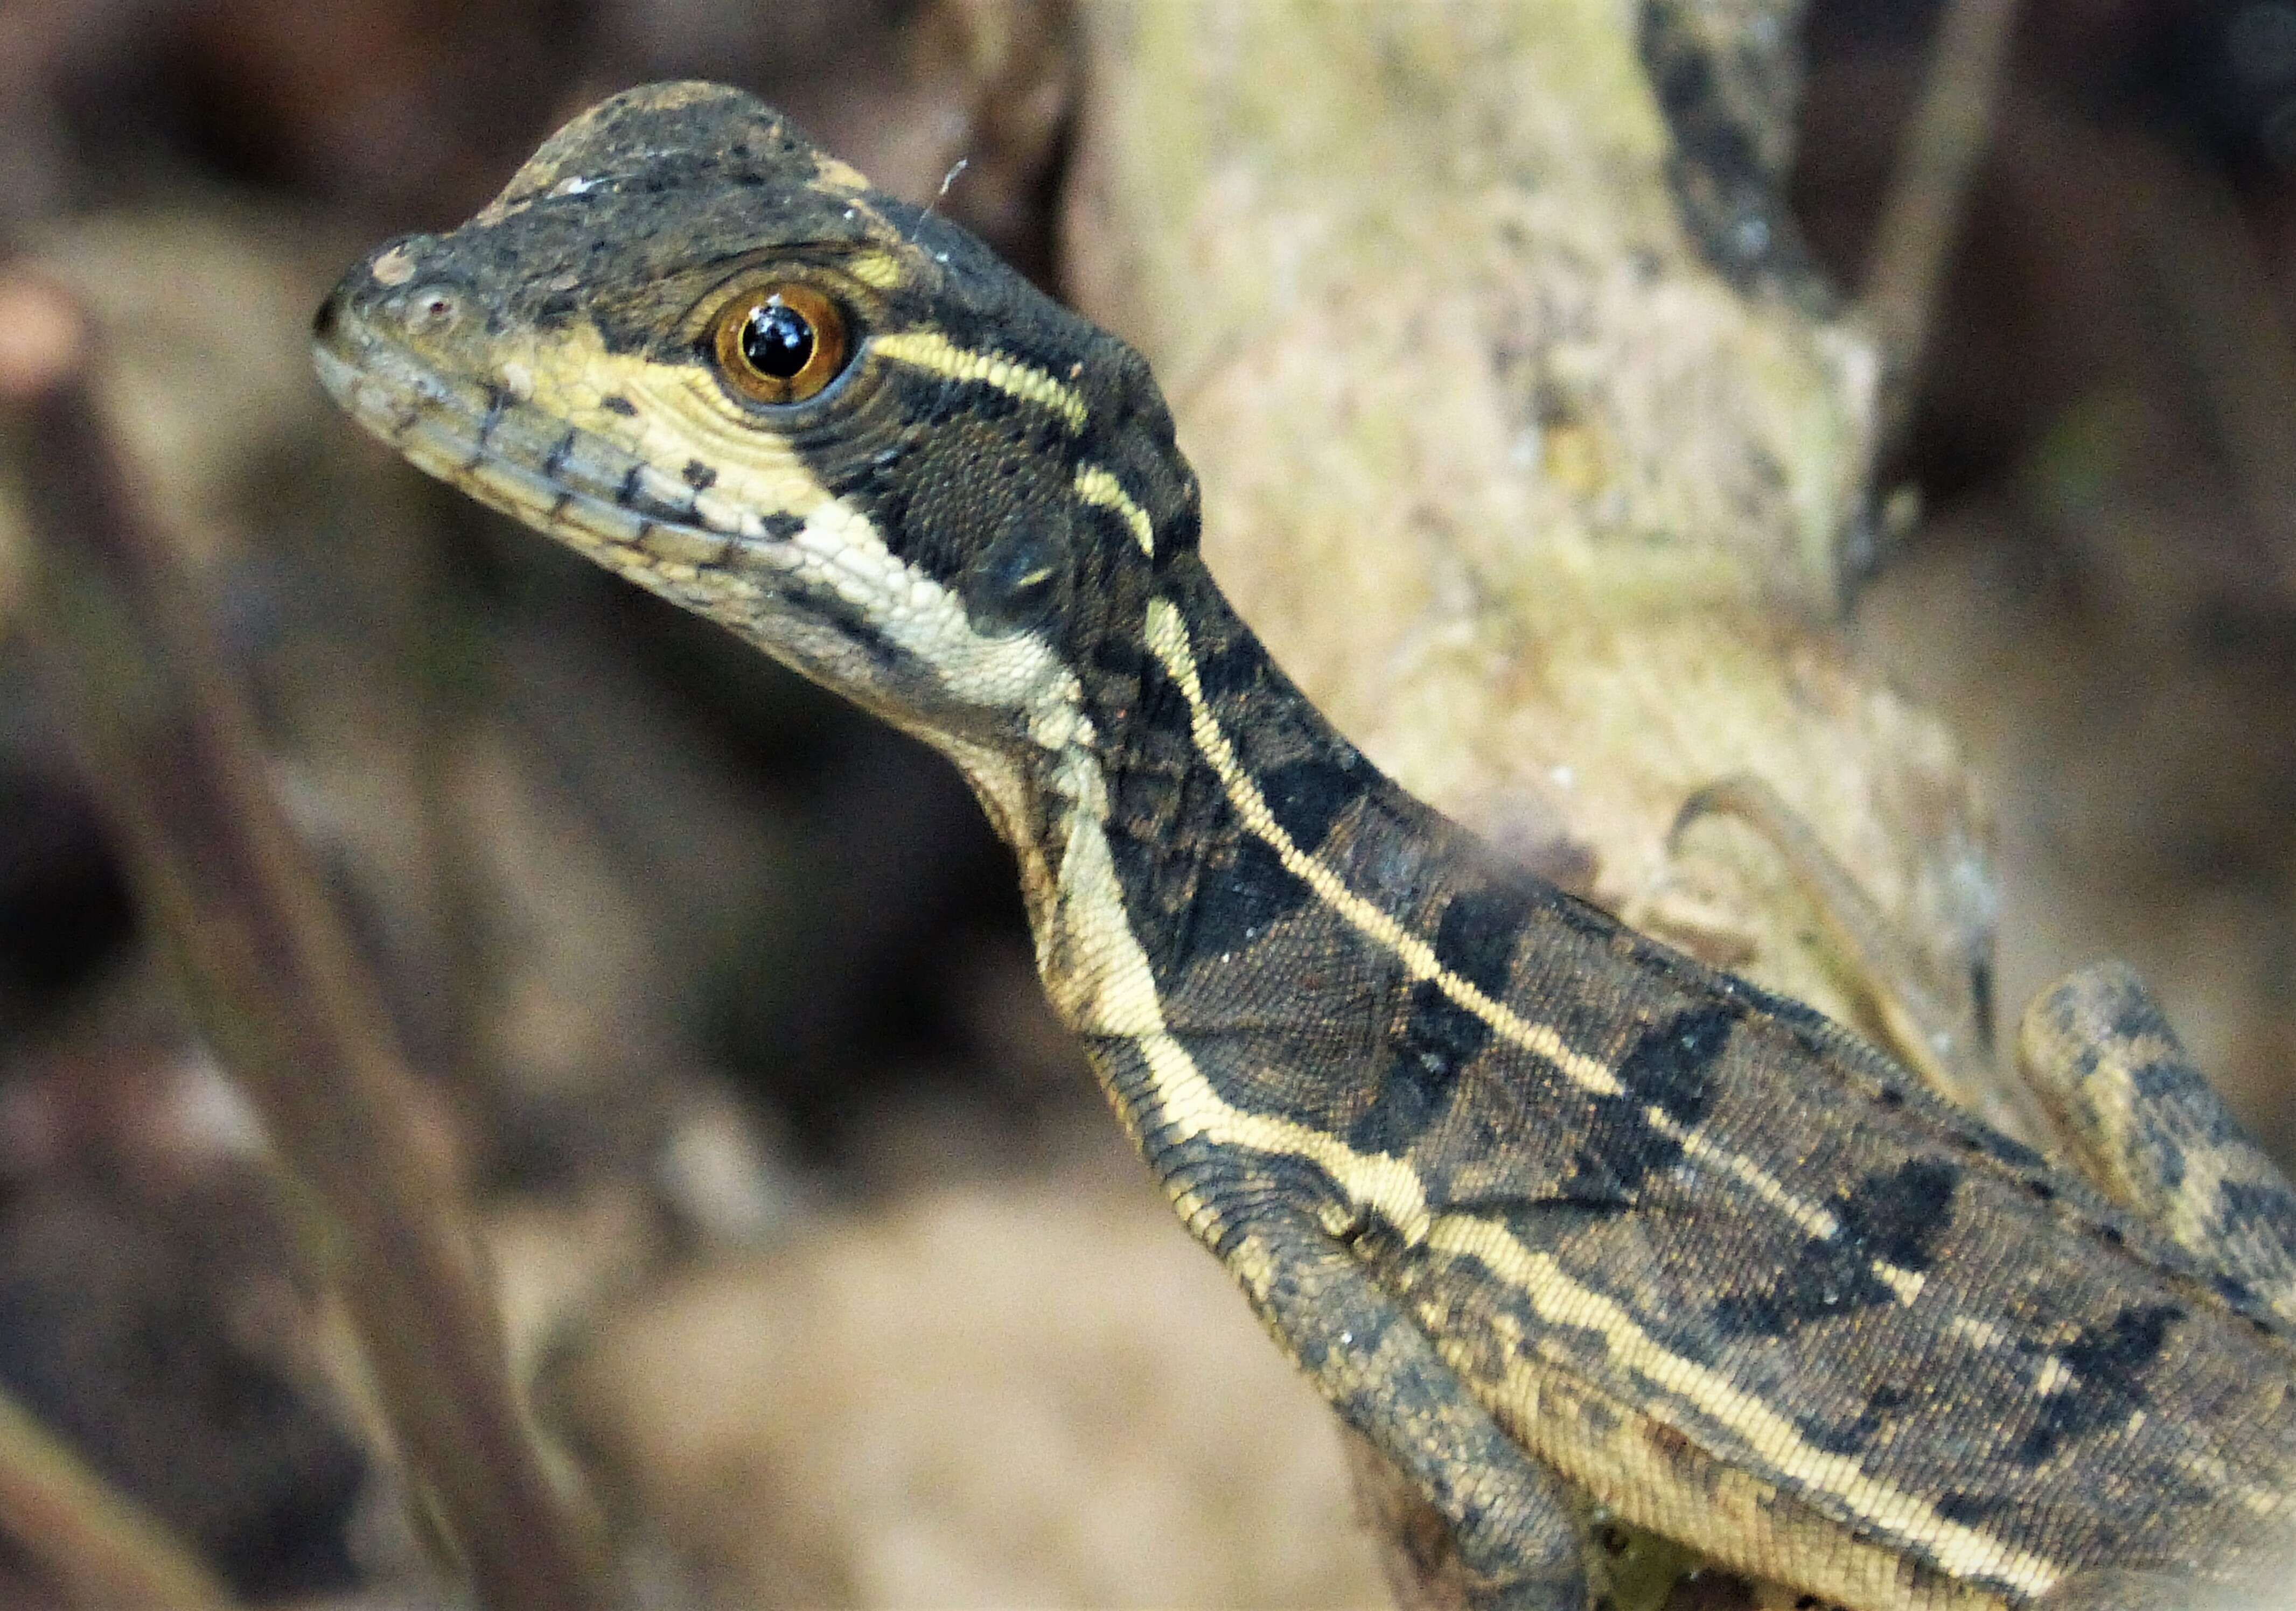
(1544, 1209)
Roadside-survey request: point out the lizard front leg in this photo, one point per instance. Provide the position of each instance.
(2140, 1122)
(2133, 1115)
(2148, 1131)
(1518, 1535)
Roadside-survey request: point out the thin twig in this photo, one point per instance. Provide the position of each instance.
(85, 1537)
(1941, 1039)
(2230, 331)
(1914, 242)
(264, 960)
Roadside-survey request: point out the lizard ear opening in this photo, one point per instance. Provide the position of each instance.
(780, 343)
(1016, 581)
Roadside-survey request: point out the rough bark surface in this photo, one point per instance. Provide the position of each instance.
(1543, 482)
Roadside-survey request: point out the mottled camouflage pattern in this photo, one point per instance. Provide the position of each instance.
(1524, 1192)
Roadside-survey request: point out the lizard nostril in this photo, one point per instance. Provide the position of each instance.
(432, 308)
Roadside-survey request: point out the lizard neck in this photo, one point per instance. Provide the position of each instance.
(1215, 807)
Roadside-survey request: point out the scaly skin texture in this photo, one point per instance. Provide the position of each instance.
(1543, 1209)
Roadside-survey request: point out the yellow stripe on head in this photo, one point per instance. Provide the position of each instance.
(879, 271)
(929, 350)
(1098, 488)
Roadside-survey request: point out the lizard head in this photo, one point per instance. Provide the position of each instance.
(693, 345)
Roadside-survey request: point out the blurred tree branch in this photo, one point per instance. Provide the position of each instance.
(92, 1542)
(266, 965)
(1913, 245)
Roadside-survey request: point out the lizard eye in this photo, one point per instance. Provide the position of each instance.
(780, 343)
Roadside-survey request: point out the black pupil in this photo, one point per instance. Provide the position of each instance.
(776, 340)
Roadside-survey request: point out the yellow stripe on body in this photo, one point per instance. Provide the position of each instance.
(1101, 981)
(1104, 986)
(1168, 636)
(1963, 1550)
(1815, 1221)
(929, 350)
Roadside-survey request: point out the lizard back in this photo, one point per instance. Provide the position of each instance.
(1697, 1249)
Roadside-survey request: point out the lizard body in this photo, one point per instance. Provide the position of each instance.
(1543, 1209)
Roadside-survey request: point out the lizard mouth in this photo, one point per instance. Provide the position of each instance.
(480, 436)
(822, 593)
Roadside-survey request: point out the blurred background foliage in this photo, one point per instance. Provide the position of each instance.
(808, 1215)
